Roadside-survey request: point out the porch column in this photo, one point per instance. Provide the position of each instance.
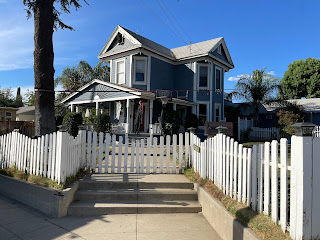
(71, 107)
(128, 115)
(151, 111)
(174, 106)
(97, 108)
(77, 109)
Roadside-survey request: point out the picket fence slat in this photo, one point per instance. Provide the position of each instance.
(283, 184)
(168, 142)
(120, 154)
(100, 152)
(274, 181)
(266, 178)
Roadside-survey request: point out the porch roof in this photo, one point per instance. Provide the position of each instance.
(100, 91)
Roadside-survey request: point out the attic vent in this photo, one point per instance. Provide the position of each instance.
(120, 39)
(219, 49)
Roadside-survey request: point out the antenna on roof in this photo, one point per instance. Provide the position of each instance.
(190, 46)
(137, 32)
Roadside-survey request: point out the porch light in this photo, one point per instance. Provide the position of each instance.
(303, 128)
(221, 129)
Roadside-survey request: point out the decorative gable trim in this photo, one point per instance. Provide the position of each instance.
(114, 35)
(225, 48)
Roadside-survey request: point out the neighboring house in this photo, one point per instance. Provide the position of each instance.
(267, 113)
(312, 108)
(26, 114)
(139, 67)
(8, 113)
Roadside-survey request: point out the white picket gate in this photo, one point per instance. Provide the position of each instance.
(106, 154)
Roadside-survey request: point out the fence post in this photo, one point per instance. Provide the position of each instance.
(301, 189)
(60, 156)
(239, 128)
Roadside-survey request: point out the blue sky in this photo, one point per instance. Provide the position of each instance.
(258, 33)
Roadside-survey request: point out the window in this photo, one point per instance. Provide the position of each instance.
(140, 66)
(8, 116)
(219, 50)
(120, 39)
(218, 78)
(202, 114)
(217, 116)
(203, 77)
(120, 74)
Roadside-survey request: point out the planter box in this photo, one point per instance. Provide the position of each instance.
(48, 201)
(221, 220)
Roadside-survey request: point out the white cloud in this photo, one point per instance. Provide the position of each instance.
(238, 77)
(16, 41)
(272, 73)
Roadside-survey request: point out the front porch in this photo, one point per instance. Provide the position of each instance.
(131, 111)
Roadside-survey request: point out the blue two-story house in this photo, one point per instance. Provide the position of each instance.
(139, 67)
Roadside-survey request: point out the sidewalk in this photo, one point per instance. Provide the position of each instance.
(21, 222)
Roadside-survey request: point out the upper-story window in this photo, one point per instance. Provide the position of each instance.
(203, 77)
(218, 78)
(140, 70)
(120, 72)
(219, 50)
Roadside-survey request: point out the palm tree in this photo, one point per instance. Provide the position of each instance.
(46, 19)
(256, 89)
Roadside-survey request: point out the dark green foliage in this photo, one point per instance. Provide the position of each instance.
(29, 98)
(102, 123)
(290, 114)
(72, 121)
(72, 78)
(191, 120)
(170, 123)
(302, 79)
(6, 98)
(59, 120)
(18, 102)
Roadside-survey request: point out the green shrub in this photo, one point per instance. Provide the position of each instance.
(102, 123)
(170, 123)
(72, 121)
(191, 120)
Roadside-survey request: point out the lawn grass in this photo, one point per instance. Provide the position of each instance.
(262, 225)
(39, 180)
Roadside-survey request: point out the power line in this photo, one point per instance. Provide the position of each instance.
(171, 22)
(176, 21)
(150, 9)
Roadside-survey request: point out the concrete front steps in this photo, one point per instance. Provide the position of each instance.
(134, 197)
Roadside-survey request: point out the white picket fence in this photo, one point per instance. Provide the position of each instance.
(244, 173)
(59, 155)
(316, 131)
(56, 155)
(263, 176)
(107, 155)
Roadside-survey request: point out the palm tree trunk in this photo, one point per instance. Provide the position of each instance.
(43, 67)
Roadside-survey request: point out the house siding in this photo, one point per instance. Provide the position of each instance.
(162, 74)
(183, 79)
(223, 55)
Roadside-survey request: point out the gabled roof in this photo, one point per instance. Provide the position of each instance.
(116, 88)
(176, 54)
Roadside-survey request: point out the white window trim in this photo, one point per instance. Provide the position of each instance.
(215, 78)
(214, 112)
(208, 111)
(219, 50)
(198, 76)
(145, 59)
(116, 70)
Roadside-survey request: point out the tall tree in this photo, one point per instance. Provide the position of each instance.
(6, 98)
(256, 89)
(46, 19)
(302, 79)
(29, 96)
(18, 102)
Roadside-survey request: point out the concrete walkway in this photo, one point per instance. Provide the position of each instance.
(20, 222)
